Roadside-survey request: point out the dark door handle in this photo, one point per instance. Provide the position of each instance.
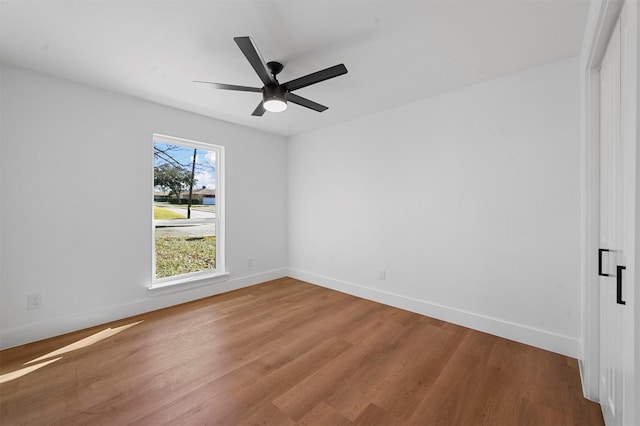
(619, 285)
(600, 263)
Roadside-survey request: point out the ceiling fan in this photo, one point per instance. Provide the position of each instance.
(274, 94)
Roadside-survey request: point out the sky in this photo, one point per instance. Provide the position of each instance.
(205, 162)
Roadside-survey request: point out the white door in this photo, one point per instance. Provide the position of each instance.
(616, 234)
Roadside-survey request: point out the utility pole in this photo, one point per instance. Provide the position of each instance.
(193, 172)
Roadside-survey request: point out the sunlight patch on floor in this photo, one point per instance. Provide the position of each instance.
(24, 371)
(82, 343)
(87, 341)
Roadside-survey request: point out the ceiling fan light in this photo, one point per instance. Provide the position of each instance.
(275, 105)
(274, 98)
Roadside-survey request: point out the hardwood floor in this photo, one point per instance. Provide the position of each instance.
(287, 352)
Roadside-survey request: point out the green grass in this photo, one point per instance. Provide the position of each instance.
(161, 214)
(182, 255)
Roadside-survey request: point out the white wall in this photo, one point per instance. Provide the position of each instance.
(469, 201)
(75, 212)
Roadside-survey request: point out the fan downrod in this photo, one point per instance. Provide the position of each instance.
(275, 67)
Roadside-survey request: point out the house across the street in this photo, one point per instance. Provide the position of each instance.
(203, 196)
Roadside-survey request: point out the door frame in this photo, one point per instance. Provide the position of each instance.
(601, 21)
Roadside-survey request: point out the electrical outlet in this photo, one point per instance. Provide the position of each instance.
(250, 262)
(34, 301)
(382, 274)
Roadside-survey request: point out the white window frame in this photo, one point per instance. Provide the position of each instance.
(200, 278)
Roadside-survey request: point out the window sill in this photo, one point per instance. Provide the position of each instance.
(182, 284)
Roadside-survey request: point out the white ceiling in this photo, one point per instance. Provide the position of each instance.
(396, 51)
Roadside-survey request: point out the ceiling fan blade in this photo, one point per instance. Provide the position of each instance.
(306, 102)
(259, 111)
(316, 77)
(230, 86)
(250, 51)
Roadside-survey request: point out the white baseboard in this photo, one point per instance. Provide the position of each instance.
(539, 338)
(546, 340)
(57, 326)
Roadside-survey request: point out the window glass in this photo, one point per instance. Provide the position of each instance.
(186, 208)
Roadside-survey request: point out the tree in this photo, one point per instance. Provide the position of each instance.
(172, 178)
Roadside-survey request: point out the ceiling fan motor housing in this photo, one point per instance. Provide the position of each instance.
(274, 91)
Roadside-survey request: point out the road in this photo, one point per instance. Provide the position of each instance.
(195, 214)
(200, 230)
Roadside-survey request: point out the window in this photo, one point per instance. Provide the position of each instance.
(188, 208)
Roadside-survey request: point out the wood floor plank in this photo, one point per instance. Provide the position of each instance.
(304, 395)
(421, 368)
(287, 352)
(267, 415)
(387, 371)
(452, 396)
(324, 414)
(374, 415)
